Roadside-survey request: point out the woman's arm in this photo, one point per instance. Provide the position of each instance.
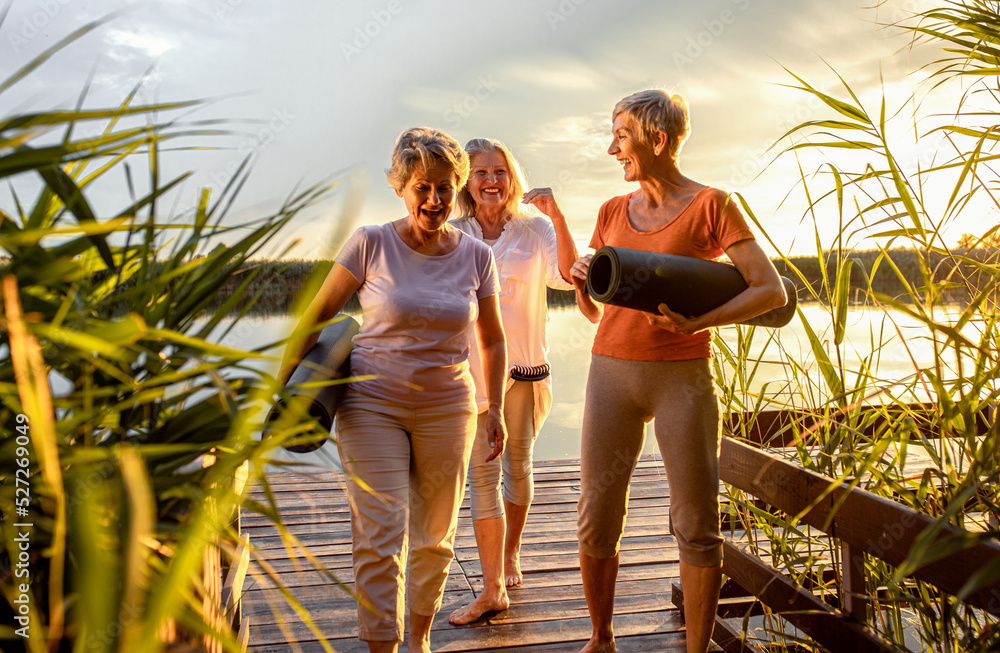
(764, 292)
(543, 199)
(578, 275)
(493, 350)
(330, 300)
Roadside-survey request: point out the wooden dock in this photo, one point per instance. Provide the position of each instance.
(548, 612)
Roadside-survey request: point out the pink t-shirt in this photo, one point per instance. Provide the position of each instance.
(419, 313)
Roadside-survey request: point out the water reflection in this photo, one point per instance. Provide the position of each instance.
(901, 343)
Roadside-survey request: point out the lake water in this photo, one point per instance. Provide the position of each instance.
(905, 347)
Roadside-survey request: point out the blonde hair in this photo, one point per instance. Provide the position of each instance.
(466, 205)
(657, 109)
(423, 146)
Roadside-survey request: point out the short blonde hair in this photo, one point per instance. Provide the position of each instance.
(466, 205)
(657, 109)
(423, 146)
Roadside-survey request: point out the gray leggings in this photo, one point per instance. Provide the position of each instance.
(485, 478)
(622, 396)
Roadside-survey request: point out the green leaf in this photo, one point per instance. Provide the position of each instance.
(841, 297)
(826, 366)
(66, 189)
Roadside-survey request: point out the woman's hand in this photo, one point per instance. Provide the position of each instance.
(496, 433)
(543, 200)
(668, 320)
(578, 273)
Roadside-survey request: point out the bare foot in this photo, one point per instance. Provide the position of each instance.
(599, 646)
(512, 570)
(485, 602)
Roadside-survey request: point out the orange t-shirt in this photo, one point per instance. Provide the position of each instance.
(704, 229)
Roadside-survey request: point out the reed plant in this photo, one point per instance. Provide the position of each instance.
(123, 421)
(856, 177)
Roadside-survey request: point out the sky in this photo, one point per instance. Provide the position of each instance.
(315, 88)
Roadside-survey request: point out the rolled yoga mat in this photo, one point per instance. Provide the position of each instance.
(642, 280)
(328, 359)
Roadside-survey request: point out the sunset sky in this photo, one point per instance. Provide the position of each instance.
(332, 83)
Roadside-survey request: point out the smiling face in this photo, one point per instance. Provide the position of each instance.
(429, 195)
(627, 146)
(489, 181)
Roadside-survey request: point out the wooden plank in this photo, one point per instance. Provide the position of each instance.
(782, 428)
(488, 637)
(258, 602)
(548, 612)
(731, 641)
(572, 576)
(830, 627)
(232, 586)
(734, 601)
(854, 583)
(670, 642)
(567, 546)
(870, 523)
(532, 564)
(310, 577)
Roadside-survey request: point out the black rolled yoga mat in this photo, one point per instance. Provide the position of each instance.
(328, 359)
(642, 280)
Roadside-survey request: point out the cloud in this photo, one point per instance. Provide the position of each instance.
(143, 42)
(558, 72)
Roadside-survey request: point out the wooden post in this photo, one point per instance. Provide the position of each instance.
(854, 586)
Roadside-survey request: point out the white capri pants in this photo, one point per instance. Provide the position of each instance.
(512, 470)
(414, 459)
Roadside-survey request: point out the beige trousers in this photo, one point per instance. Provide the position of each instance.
(623, 395)
(405, 469)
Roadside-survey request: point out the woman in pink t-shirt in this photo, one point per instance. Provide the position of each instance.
(405, 427)
(647, 366)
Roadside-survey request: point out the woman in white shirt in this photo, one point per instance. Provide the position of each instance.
(531, 253)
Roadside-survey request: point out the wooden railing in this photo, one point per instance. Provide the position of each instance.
(234, 567)
(224, 569)
(783, 428)
(863, 523)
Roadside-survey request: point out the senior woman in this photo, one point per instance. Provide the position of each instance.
(531, 254)
(647, 366)
(405, 430)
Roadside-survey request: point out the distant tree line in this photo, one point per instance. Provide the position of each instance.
(277, 282)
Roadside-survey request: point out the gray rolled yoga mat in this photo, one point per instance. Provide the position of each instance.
(328, 359)
(642, 280)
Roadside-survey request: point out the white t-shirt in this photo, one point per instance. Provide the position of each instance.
(527, 260)
(419, 312)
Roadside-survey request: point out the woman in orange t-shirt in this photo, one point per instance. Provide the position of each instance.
(649, 366)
